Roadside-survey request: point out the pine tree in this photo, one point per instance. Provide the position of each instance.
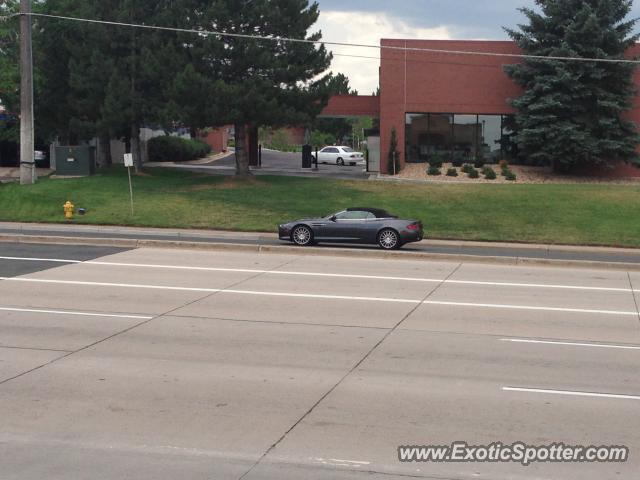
(572, 112)
(9, 72)
(260, 82)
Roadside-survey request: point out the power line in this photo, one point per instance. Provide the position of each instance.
(7, 17)
(337, 44)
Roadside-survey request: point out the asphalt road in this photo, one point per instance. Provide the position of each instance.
(285, 163)
(165, 364)
(201, 236)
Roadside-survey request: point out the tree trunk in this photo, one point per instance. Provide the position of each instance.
(104, 150)
(242, 157)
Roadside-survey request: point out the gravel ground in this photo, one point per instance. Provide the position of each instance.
(418, 171)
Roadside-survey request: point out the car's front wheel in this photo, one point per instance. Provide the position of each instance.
(302, 236)
(388, 239)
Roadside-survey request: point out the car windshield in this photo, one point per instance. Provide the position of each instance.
(347, 149)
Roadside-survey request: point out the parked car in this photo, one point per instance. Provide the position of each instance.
(340, 156)
(354, 225)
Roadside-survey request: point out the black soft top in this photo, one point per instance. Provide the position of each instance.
(378, 212)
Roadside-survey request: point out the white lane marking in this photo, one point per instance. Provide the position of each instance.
(340, 463)
(528, 307)
(326, 297)
(570, 344)
(209, 290)
(571, 393)
(331, 275)
(350, 461)
(82, 314)
(52, 260)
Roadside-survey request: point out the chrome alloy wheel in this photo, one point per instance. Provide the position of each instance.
(388, 239)
(302, 236)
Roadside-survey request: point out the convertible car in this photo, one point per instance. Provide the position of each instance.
(354, 225)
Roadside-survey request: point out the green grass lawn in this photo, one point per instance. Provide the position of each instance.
(567, 214)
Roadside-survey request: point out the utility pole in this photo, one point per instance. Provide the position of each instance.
(27, 161)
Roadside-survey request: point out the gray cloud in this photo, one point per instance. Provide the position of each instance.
(466, 19)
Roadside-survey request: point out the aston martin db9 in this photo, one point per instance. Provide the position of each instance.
(354, 225)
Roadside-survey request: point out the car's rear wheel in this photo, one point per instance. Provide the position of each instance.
(388, 239)
(302, 236)
(340, 162)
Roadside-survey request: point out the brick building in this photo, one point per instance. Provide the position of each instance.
(452, 105)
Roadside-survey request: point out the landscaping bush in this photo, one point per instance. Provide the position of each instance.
(466, 168)
(434, 171)
(176, 149)
(474, 173)
(457, 162)
(503, 164)
(490, 174)
(511, 176)
(435, 161)
(452, 172)
(479, 162)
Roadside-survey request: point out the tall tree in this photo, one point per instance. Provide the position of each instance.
(9, 70)
(572, 112)
(107, 81)
(264, 82)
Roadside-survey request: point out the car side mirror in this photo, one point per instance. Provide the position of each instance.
(334, 218)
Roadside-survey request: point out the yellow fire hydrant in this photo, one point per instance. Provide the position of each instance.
(68, 210)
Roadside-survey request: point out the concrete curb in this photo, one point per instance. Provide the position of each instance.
(316, 251)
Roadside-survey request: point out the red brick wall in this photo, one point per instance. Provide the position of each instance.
(440, 83)
(415, 82)
(218, 139)
(352, 106)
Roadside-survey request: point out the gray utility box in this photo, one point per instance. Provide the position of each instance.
(77, 161)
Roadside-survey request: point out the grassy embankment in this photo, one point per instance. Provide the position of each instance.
(567, 214)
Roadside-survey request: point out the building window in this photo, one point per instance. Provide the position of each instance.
(465, 134)
(459, 137)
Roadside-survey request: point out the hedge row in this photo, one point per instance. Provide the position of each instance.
(176, 149)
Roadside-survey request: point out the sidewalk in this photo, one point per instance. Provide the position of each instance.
(434, 249)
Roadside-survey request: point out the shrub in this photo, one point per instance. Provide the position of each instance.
(457, 161)
(503, 164)
(434, 171)
(435, 161)
(479, 162)
(466, 168)
(452, 172)
(490, 174)
(176, 149)
(474, 173)
(511, 176)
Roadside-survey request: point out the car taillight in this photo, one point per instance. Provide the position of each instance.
(414, 226)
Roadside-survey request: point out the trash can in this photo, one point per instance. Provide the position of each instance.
(78, 161)
(307, 157)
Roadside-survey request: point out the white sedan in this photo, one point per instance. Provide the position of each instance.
(340, 156)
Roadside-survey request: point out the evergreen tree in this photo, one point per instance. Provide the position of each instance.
(9, 71)
(262, 82)
(107, 81)
(572, 112)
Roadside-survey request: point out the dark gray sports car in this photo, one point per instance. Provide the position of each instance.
(354, 225)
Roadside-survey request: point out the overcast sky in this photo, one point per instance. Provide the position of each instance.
(366, 21)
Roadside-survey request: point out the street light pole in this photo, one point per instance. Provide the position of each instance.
(27, 161)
